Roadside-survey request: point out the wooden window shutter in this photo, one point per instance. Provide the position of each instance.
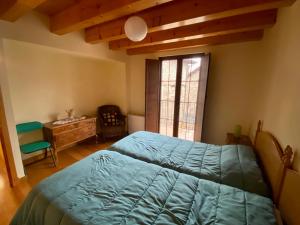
(152, 94)
(204, 71)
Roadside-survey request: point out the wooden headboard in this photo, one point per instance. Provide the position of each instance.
(274, 161)
(289, 202)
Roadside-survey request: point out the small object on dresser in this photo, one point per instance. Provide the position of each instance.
(231, 139)
(68, 120)
(237, 131)
(71, 113)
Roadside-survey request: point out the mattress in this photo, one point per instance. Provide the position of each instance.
(233, 165)
(111, 188)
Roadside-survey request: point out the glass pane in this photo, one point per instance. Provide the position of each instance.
(183, 91)
(182, 111)
(170, 128)
(181, 130)
(165, 71)
(173, 70)
(193, 91)
(169, 70)
(170, 114)
(164, 91)
(191, 113)
(163, 109)
(171, 90)
(163, 126)
(168, 86)
(188, 97)
(187, 112)
(191, 69)
(190, 132)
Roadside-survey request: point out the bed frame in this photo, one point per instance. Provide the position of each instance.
(289, 202)
(273, 159)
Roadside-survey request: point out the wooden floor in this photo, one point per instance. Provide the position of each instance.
(11, 198)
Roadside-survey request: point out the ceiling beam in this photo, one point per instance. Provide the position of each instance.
(215, 40)
(234, 24)
(90, 12)
(178, 13)
(11, 10)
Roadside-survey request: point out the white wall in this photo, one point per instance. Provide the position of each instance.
(44, 82)
(280, 68)
(231, 97)
(33, 28)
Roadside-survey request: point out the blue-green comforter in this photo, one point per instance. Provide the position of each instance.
(110, 188)
(234, 165)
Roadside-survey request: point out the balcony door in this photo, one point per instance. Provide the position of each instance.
(180, 87)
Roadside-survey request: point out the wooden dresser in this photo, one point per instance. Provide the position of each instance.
(61, 136)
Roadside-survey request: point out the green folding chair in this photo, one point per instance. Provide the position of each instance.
(37, 145)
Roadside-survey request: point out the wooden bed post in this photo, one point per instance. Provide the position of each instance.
(287, 156)
(287, 162)
(258, 129)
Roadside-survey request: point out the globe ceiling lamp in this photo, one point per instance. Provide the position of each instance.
(135, 28)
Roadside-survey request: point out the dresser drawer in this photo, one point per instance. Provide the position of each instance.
(75, 135)
(69, 127)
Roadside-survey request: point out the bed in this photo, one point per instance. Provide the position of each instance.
(111, 188)
(234, 165)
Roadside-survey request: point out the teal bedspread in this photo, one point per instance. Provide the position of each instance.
(233, 165)
(110, 188)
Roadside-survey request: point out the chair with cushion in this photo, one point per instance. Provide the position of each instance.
(37, 145)
(111, 122)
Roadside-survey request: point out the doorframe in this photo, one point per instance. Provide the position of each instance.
(179, 59)
(6, 147)
(8, 134)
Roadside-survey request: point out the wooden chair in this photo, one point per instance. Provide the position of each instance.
(37, 145)
(111, 122)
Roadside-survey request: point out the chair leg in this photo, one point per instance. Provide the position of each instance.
(96, 138)
(46, 153)
(53, 156)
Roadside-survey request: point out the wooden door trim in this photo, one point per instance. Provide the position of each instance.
(195, 55)
(158, 94)
(205, 102)
(204, 71)
(6, 147)
(177, 97)
(6, 160)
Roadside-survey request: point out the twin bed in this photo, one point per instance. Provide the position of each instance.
(148, 178)
(233, 165)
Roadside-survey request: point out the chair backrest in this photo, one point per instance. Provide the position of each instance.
(109, 109)
(109, 115)
(28, 127)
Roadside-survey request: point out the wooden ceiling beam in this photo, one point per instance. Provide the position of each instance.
(234, 24)
(215, 40)
(11, 10)
(179, 13)
(90, 12)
